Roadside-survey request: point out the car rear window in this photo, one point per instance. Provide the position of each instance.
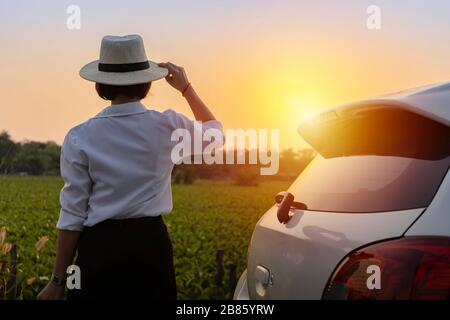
(369, 183)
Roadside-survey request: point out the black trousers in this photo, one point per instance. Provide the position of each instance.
(126, 259)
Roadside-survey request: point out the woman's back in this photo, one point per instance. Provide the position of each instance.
(125, 151)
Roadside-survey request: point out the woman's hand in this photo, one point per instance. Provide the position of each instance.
(176, 77)
(51, 292)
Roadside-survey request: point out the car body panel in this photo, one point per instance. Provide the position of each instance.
(302, 254)
(435, 220)
(241, 292)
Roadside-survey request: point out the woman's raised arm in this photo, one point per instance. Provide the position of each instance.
(177, 78)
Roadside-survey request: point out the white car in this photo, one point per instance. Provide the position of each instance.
(369, 218)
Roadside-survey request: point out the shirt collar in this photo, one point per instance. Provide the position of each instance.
(123, 109)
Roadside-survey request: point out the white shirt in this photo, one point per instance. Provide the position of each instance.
(118, 165)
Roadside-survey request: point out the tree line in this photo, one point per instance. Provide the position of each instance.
(28, 157)
(42, 158)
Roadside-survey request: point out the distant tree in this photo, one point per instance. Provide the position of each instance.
(37, 158)
(177, 177)
(51, 153)
(288, 161)
(29, 163)
(189, 175)
(293, 163)
(8, 149)
(184, 174)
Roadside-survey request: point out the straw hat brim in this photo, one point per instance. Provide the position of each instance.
(90, 72)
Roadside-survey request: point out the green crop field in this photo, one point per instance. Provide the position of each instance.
(207, 216)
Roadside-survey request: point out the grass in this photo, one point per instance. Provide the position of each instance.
(207, 216)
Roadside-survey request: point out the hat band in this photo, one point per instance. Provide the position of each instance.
(123, 67)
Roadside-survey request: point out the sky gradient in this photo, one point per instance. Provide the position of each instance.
(257, 64)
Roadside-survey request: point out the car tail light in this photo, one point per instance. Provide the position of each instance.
(409, 268)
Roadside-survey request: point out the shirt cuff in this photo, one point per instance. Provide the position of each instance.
(212, 124)
(69, 221)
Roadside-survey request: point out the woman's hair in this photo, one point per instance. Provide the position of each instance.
(111, 92)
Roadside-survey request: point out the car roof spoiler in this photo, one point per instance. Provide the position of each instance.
(378, 127)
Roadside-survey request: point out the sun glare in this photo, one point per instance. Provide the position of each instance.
(299, 107)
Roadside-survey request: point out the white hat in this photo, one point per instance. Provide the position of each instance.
(123, 61)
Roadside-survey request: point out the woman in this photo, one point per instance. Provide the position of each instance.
(117, 172)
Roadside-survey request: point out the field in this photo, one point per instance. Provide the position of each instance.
(207, 216)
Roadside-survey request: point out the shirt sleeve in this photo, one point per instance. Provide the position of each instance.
(195, 129)
(74, 196)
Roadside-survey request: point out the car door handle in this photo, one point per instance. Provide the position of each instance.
(262, 275)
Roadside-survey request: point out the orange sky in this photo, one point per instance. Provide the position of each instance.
(258, 65)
